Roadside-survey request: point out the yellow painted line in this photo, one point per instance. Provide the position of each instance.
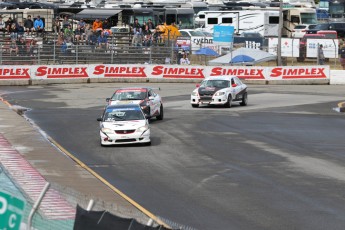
(79, 162)
(341, 104)
(135, 204)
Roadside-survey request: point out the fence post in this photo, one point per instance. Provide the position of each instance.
(112, 50)
(36, 205)
(76, 53)
(54, 47)
(38, 55)
(0, 52)
(150, 61)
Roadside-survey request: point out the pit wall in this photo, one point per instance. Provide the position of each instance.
(50, 74)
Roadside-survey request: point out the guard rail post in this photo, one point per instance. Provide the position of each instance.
(76, 53)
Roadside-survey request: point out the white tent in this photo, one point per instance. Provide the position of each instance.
(257, 55)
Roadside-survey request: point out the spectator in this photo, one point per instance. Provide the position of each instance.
(65, 23)
(2, 26)
(39, 25)
(137, 40)
(57, 26)
(68, 34)
(60, 39)
(13, 31)
(20, 30)
(156, 37)
(13, 47)
(97, 27)
(184, 60)
(102, 41)
(31, 47)
(82, 25)
(89, 35)
(78, 34)
(106, 25)
(136, 26)
(28, 25)
(147, 40)
(321, 55)
(150, 24)
(21, 44)
(146, 30)
(8, 24)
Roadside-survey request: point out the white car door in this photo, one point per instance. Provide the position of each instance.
(154, 102)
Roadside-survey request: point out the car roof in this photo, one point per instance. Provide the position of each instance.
(133, 88)
(122, 106)
(220, 78)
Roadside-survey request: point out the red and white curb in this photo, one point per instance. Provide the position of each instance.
(53, 206)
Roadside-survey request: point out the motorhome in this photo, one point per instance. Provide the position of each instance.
(296, 16)
(264, 22)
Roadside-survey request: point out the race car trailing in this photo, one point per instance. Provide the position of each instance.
(149, 101)
(220, 90)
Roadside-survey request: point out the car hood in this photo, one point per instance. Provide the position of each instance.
(124, 125)
(208, 90)
(125, 102)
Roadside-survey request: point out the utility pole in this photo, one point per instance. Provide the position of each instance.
(279, 48)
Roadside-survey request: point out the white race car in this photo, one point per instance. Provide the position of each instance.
(124, 124)
(220, 90)
(149, 101)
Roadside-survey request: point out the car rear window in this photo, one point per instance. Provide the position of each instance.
(321, 27)
(300, 27)
(311, 27)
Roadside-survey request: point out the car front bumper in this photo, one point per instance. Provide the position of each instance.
(123, 139)
(208, 100)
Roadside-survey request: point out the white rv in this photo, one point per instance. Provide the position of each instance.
(264, 22)
(295, 16)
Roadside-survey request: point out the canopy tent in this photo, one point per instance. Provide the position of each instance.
(258, 56)
(96, 13)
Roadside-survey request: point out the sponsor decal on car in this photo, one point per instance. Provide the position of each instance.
(119, 71)
(62, 72)
(14, 73)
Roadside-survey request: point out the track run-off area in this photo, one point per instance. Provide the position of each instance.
(277, 163)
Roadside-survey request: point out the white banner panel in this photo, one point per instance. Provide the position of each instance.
(330, 47)
(290, 47)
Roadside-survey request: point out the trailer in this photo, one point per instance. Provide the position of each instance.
(264, 22)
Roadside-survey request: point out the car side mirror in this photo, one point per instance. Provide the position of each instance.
(107, 100)
(233, 85)
(99, 119)
(197, 85)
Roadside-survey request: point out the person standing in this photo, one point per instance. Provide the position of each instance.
(28, 25)
(342, 55)
(321, 55)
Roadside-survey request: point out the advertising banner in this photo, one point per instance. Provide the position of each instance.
(109, 71)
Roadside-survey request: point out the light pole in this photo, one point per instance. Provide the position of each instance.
(279, 48)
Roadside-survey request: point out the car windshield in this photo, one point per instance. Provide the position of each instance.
(122, 95)
(123, 114)
(300, 27)
(215, 83)
(197, 33)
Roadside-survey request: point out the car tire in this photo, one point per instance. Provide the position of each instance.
(161, 113)
(244, 99)
(228, 104)
(195, 105)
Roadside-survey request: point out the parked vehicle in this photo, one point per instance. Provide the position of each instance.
(329, 34)
(339, 27)
(301, 29)
(296, 16)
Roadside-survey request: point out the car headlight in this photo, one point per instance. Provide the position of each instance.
(107, 131)
(194, 93)
(143, 128)
(219, 93)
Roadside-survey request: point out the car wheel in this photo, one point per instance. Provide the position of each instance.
(244, 99)
(161, 113)
(195, 105)
(228, 104)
